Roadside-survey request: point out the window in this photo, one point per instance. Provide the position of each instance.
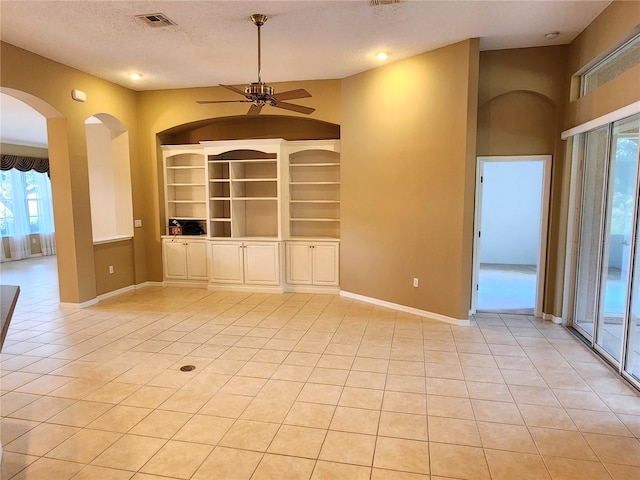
(25, 203)
(621, 60)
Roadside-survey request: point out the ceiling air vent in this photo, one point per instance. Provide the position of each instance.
(156, 20)
(375, 3)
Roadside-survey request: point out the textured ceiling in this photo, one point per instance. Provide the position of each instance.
(215, 42)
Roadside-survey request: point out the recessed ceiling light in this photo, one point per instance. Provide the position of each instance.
(382, 56)
(551, 35)
(135, 76)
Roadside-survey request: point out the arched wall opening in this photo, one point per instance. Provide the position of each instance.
(519, 122)
(241, 127)
(109, 178)
(75, 284)
(26, 214)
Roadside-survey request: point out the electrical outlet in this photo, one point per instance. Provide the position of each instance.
(415, 282)
(110, 268)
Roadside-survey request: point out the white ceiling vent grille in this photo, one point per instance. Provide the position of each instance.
(156, 20)
(375, 3)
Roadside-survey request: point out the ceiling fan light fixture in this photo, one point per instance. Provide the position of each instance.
(259, 94)
(259, 89)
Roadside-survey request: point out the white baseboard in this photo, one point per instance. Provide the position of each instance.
(246, 288)
(88, 303)
(104, 296)
(404, 308)
(148, 284)
(312, 289)
(552, 318)
(185, 283)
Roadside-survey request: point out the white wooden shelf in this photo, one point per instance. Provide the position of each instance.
(314, 183)
(314, 164)
(315, 219)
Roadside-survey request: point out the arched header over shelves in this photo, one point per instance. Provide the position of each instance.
(243, 127)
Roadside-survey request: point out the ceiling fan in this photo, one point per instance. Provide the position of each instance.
(259, 93)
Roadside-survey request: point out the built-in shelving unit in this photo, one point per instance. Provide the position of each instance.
(244, 199)
(314, 193)
(270, 210)
(185, 186)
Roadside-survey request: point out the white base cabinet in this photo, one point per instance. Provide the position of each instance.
(245, 263)
(313, 263)
(185, 259)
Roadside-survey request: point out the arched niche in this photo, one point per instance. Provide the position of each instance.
(520, 122)
(109, 178)
(242, 127)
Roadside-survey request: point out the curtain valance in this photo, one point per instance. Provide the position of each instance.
(24, 164)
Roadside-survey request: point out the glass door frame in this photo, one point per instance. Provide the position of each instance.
(576, 149)
(545, 203)
(609, 191)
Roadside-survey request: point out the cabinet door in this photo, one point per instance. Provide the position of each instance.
(174, 255)
(197, 260)
(299, 263)
(326, 263)
(262, 263)
(226, 262)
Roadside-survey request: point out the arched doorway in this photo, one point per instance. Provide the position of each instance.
(74, 249)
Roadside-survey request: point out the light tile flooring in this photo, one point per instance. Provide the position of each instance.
(302, 387)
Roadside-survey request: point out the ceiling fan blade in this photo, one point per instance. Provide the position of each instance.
(295, 108)
(254, 109)
(222, 101)
(233, 89)
(292, 94)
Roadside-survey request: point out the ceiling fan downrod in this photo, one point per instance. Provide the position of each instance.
(258, 91)
(259, 19)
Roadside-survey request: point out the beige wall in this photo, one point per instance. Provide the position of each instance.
(408, 154)
(47, 85)
(162, 110)
(409, 147)
(522, 93)
(34, 243)
(618, 23)
(120, 256)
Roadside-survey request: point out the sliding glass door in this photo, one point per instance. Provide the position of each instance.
(587, 282)
(618, 239)
(607, 306)
(632, 364)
